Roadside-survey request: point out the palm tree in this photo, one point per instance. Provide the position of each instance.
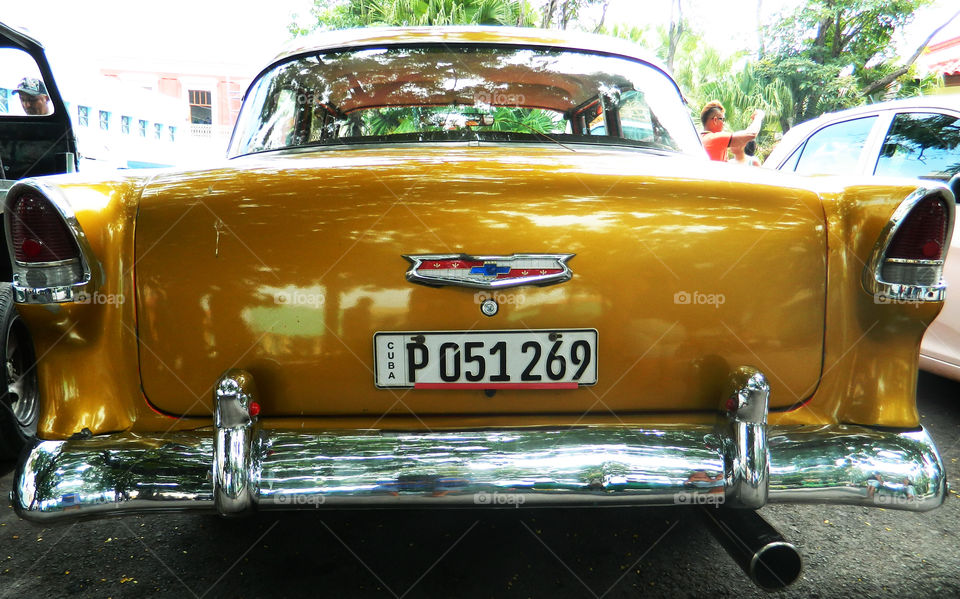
(741, 93)
(364, 13)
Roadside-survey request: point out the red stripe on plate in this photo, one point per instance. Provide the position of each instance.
(496, 385)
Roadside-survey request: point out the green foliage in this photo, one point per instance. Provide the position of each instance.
(826, 56)
(704, 74)
(562, 13)
(525, 120)
(344, 14)
(422, 119)
(830, 52)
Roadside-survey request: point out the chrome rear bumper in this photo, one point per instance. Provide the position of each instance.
(238, 467)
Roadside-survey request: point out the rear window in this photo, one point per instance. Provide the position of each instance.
(463, 92)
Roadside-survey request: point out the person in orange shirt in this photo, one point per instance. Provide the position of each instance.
(715, 140)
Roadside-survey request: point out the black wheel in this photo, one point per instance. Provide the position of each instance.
(19, 395)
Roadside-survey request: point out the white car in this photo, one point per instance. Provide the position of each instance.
(915, 137)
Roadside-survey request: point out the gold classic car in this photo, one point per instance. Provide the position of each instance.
(426, 276)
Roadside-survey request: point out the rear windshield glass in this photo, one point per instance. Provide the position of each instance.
(450, 92)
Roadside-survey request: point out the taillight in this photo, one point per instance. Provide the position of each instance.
(45, 252)
(922, 234)
(908, 261)
(38, 232)
(915, 254)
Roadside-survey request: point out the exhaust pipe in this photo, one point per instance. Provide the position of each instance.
(758, 548)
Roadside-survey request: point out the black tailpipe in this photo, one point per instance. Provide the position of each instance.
(758, 548)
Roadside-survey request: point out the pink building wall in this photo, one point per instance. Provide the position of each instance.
(226, 91)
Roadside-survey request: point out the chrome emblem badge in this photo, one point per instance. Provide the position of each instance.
(488, 272)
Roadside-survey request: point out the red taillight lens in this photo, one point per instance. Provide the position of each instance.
(923, 233)
(38, 232)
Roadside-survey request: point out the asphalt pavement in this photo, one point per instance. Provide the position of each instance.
(525, 552)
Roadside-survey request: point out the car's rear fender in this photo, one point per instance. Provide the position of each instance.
(872, 339)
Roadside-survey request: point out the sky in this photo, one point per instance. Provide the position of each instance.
(247, 33)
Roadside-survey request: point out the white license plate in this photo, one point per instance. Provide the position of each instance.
(542, 359)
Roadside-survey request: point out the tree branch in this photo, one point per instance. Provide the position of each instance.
(890, 78)
(846, 39)
(837, 35)
(603, 16)
(675, 33)
(821, 41)
(548, 15)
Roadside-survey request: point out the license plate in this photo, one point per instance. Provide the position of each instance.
(541, 359)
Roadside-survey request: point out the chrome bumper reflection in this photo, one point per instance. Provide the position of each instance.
(603, 465)
(238, 467)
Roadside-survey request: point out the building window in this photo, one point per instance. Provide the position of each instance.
(201, 111)
(4, 100)
(104, 120)
(125, 125)
(142, 127)
(173, 132)
(158, 130)
(83, 116)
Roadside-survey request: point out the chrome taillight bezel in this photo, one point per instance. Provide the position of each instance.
(884, 290)
(77, 279)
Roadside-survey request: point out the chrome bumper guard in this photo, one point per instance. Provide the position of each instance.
(239, 467)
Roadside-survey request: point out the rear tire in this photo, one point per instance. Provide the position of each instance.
(19, 394)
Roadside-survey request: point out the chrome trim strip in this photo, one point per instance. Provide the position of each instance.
(873, 281)
(26, 294)
(917, 262)
(415, 276)
(746, 408)
(44, 264)
(602, 465)
(235, 430)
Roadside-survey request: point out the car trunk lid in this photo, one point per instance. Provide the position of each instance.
(289, 264)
